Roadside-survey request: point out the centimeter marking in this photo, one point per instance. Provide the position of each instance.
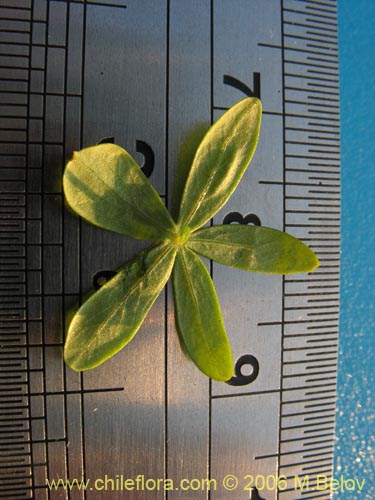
(311, 210)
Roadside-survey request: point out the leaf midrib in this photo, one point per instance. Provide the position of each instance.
(191, 289)
(134, 207)
(198, 202)
(214, 242)
(98, 330)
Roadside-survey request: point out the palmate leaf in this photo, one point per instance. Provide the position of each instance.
(198, 317)
(109, 319)
(105, 186)
(254, 248)
(219, 163)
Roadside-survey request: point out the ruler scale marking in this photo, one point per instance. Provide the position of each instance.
(7, 374)
(299, 224)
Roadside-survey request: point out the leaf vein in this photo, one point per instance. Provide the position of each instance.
(132, 206)
(124, 297)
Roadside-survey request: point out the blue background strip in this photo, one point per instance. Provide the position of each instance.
(355, 449)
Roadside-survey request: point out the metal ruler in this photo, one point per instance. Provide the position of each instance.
(151, 75)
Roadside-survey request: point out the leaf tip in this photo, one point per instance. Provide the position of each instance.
(77, 363)
(71, 362)
(219, 373)
(75, 155)
(225, 374)
(315, 263)
(254, 102)
(309, 261)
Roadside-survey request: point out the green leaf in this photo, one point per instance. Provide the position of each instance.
(109, 319)
(198, 317)
(254, 248)
(220, 162)
(105, 186)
